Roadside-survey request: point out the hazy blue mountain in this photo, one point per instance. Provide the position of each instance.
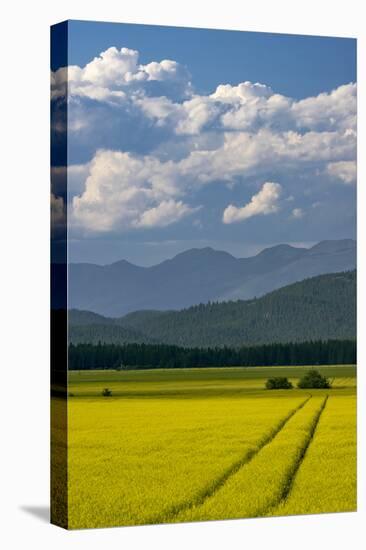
(324, 257)
(201, 275)
(318, 308)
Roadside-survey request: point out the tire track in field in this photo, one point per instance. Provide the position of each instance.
(216, 484)
(291, 476)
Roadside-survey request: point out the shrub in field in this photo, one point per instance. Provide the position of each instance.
(107, 392)
(313, 379)
(278, 383)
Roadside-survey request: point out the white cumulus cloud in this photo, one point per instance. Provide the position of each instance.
(266, 201)
(297, 213)
(334, 110)
(124, 192)
(345, 170)
(121, 186)
(166, 213)
(109, 75)
(152, 143)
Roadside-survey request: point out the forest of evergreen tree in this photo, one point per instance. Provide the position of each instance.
(152, 356)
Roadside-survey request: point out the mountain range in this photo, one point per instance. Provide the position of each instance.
(201, 275)
(318, 308)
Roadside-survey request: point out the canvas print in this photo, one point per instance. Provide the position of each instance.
(203, 300)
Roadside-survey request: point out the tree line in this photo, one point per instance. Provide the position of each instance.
(152, 356)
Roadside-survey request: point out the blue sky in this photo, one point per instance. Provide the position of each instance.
(182, 138)
(293, 65)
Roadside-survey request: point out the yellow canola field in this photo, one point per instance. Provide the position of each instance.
(262, 482)
(199, 444)
(327, 478)
(131, 461)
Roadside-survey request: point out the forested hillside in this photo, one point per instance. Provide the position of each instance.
(108, 334)
(319, 308)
